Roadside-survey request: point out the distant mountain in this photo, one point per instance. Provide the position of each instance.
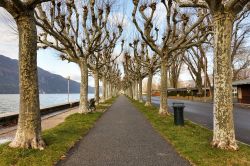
(48, 82)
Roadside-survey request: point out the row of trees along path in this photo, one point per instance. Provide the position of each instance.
(81, 31)
(88, 41)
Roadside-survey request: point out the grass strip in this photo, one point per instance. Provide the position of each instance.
(193, 141)
(59, 140)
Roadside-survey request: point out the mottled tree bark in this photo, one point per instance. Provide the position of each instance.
(163, 98)
(140, 90)
(28, 134)
(96, 77)
(106, 89)
(103, 88)
(131, 91)
(109, 90)
(114, 91)
(83, 108)
(149, 89)
(136, 90)
(223, 133)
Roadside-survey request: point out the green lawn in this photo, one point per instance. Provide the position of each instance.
(193, 141)
(59, 140)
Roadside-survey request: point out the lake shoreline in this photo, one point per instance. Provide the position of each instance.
(9, 103)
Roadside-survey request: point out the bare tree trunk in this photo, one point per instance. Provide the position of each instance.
(103, 89)
(96, 77)
(175, 82)
(112, 89)
(198, 81)
(223, 133)
(28, 134)
(209, 85)
(140, 90)
(107, 91)
(131, 91)
(83, 108)
(136, 89)
(173, 77)
(163, 98)
(149, 89)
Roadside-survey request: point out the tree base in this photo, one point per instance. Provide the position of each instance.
(148, 104)
(225, 145)
(141, 101)
(83, 112)
(163, 112)
(35, 143)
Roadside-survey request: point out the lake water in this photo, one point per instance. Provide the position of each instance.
(10, 102)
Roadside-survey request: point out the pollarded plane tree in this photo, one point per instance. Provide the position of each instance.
(127, 85)
(223, 16)
(130, 70)
(138, 67)
(108, 58)
(28, 134)
(105, 71)
(178, 34)
(115, 79)
(77, 29)
(105, 80)
(104, 57)
(112, 79)
(103, 74)
(150, 64)
(130, 76)
(135, 70)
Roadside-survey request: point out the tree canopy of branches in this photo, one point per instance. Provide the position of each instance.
(79, 31)
(178, 35)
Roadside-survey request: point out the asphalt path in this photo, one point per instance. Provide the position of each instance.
(202, 113)
(123, 137)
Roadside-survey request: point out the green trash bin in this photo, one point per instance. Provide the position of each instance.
(178, 114)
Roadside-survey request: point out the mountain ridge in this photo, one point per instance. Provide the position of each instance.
(49, 83)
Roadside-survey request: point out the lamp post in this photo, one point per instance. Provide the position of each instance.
(68, 87)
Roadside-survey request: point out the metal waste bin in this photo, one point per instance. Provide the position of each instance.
(178, 114)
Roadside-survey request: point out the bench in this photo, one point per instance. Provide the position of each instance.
(91, 105)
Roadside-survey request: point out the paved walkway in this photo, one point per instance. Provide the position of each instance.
(123, 137)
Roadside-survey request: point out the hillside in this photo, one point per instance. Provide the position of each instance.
(48, 82)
